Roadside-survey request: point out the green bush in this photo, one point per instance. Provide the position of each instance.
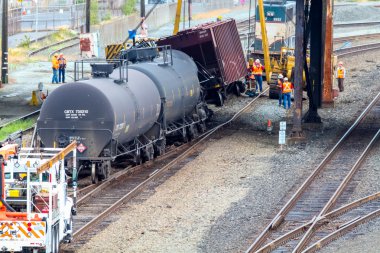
(25, 42)
(129, 7)
(94, 12)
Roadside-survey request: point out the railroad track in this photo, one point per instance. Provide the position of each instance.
(298, 222)
(105, 199)
(45, 48)
(357, 49)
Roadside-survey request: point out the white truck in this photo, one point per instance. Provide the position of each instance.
(35, 210)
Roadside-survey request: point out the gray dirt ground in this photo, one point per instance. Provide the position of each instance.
(220, 200)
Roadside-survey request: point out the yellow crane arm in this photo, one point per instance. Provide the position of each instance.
(48, 164)
(177, 17)
(268, 68)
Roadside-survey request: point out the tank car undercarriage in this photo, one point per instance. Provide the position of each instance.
(150, 145)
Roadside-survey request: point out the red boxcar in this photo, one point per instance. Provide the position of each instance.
(217, 50)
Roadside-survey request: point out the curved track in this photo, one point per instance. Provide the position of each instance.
(304, 212)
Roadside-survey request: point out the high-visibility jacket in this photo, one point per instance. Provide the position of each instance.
(279, 84)
(257, 69)
(341, 72)
(54, 63)
(287, 87)
(250, 71)
(62, 62)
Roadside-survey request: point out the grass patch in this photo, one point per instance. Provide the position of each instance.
(15, 126)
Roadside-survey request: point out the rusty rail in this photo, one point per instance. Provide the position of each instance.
(327, 217)
(342, 231)
(336, 194)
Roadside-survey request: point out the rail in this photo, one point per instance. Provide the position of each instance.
(279, 218)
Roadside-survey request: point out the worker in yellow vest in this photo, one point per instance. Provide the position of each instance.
(55, 66)
(257, 71)
(287, 88)
(340, 75)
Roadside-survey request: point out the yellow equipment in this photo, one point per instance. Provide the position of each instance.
(265, 44)
(177, 17)
(273, 67)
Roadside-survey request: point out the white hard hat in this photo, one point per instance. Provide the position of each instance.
(280, 76)
(257, 61)
(285, 79)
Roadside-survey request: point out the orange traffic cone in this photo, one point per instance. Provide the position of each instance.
(269, 126)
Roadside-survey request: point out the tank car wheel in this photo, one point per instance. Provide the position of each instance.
(192, 132)
(106, 170)
(239, 88)
(202, 127)
(219, 101)
(148, 153)
(185, 138)
(138, 160)
(94, 176)
(159, 147)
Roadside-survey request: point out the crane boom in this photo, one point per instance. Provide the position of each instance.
(268, 68)
(177, 17)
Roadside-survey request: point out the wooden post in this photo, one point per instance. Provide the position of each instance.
(298, 69)
(327, 97)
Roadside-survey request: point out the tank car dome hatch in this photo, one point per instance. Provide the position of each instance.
(101, 69)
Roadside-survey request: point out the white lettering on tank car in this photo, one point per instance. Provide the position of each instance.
(75, 114)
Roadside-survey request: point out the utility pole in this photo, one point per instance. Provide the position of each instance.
(88, 6)
(4, 44)
(142, 8)
(298, 69)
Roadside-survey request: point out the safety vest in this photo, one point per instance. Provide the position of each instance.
(341, 72)
(62, 62)
(279, 83)
(287, 87)
(257, 69)
(250, 71)
(54, 62)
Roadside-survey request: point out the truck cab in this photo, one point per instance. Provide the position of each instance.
(35, 209)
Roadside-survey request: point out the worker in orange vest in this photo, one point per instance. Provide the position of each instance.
(340, 75)
(258, 73)
(62, 68)
(55, 66)
(280, 81)
(287, 88)
(250, 78)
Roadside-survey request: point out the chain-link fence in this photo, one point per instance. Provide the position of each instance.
(23, 19)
